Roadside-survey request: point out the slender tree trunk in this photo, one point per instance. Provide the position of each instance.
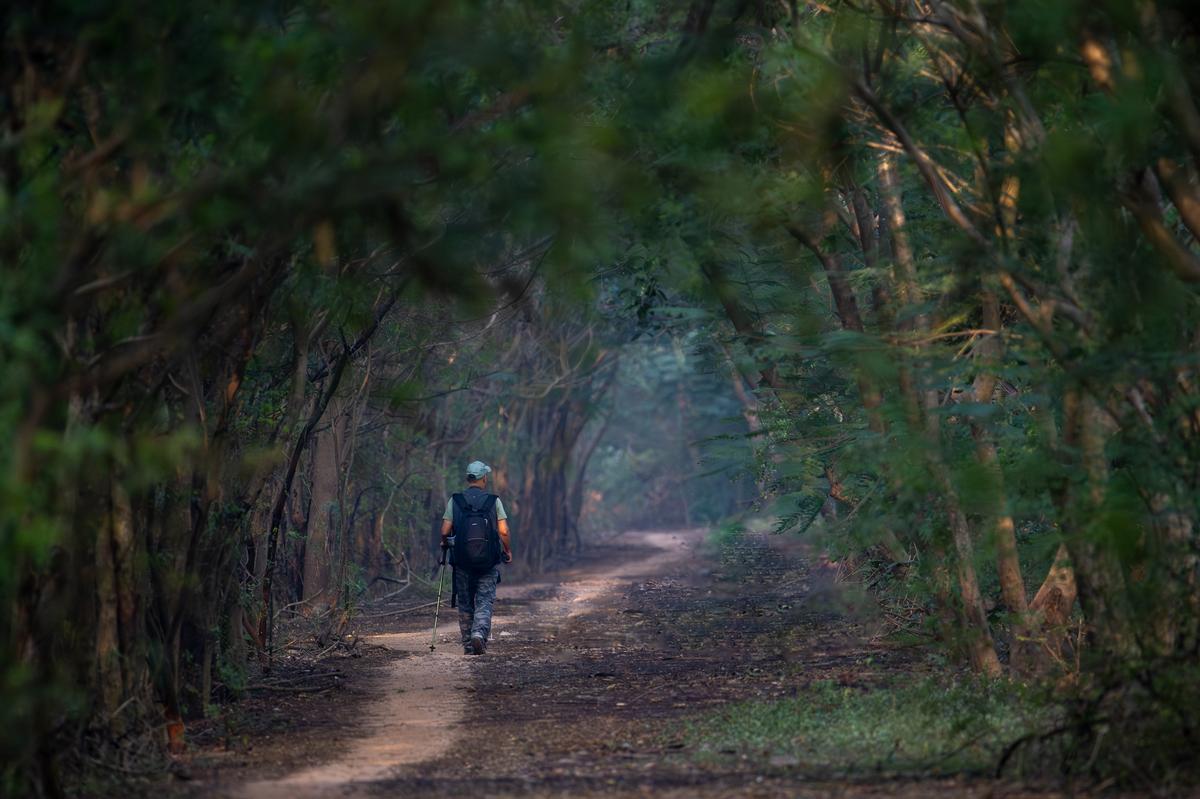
(1012, 584)
(128, 604)
(346, 514)
(851, 319)
(1008, 564)
(978, 637)
(108, 637)
(1101, 583)
(846, 305)
(1178, 598)
(581, 465)
(325, 515)
(1055, 599)
(279, 506)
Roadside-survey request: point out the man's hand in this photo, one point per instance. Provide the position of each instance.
(507, 556)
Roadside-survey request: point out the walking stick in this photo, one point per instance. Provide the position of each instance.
(438, 606)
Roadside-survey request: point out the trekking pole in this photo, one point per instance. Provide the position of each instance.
(438, 606)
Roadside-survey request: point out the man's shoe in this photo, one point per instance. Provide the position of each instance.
(467, 650)
(478, 645)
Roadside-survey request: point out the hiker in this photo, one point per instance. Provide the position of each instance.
(479, 525)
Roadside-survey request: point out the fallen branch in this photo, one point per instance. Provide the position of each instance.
(398, 612)
(303, 677)
(299, 689)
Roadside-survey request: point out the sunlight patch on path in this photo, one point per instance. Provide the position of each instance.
(672, 547)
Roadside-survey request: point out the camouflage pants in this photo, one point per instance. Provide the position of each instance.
(475, 595)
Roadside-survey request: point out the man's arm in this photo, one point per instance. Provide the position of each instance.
(447, 526)
(502, 528)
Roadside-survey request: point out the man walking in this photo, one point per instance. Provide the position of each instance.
(479, 525)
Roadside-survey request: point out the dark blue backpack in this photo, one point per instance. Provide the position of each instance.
(476, 540)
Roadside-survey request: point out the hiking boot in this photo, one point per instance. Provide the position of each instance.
(478, 645)
(467, 650)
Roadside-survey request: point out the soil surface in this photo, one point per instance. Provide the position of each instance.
(589, 679)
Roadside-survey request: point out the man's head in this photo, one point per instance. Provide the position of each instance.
(477, 473)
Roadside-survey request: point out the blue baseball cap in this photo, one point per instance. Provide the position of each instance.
(478, 469)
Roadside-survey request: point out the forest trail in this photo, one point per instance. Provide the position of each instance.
(592, 677)
(419, 712)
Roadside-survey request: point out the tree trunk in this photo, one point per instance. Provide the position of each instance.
(1054, 601)
(109, 688)
(1098, 575)
(980, 646)
(324, 521)
(851, 319)
(1008, 564)
(128, 605)
(1178, 611)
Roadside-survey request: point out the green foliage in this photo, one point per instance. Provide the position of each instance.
(534, 231)
(928, 727)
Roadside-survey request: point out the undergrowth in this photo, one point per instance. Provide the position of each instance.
(926, 727)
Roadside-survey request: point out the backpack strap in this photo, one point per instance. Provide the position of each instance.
(489, 502)
(461, 501)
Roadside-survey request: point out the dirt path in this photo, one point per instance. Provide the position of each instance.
(419, 714)
(591, 677)
(416, 716)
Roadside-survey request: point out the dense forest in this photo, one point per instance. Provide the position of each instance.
(914, 279)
